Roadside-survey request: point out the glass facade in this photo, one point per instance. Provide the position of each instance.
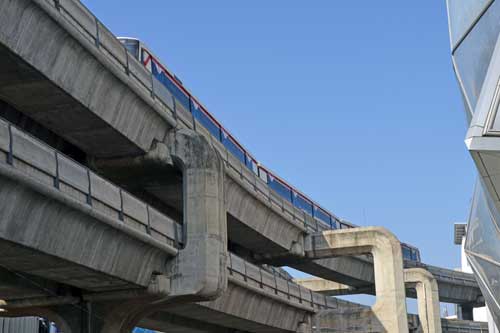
(462, 14)
(474, 30)
(482, 246)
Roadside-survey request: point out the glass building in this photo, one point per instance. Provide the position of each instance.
(474, 35)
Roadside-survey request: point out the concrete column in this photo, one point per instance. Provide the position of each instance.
(199, 270)
(390, 307)
(427, 296)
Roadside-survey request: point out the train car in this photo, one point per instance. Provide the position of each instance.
(170, 89)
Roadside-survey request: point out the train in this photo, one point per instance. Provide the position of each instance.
(191, 104)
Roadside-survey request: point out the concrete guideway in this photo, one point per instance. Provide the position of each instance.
(95, 124)
(71, 75)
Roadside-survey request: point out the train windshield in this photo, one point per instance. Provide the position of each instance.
(132, 45)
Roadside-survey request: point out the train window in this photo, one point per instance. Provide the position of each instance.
(321, 215)
(132, 46)
(251, 164)
(263, 175)
(169, 84)
(280, 188)
(205, 120)
(406, 253)
(300, 202)
(414, 255)
(233, 147)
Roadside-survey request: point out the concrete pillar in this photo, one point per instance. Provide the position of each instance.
(199, 270)
(427, 296)
(390, 307)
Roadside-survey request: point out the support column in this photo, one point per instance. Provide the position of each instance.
(199, 271)
(390, 307)
(427, 296)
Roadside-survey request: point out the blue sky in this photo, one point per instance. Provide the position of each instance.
(353, 102)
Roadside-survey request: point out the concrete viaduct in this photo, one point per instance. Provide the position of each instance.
(187, 238)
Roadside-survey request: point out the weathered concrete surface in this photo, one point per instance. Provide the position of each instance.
(362, 320)
(44, 237)
(63, 222)
(256, 301)
(429, 311)
(199, 270)
(50, 66)
(101, 111)
(415, 278)
(390, 307)
(331, 288)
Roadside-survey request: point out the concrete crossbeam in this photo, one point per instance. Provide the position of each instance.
(390, 307)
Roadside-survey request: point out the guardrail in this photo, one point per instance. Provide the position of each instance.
(276, 286)
(176, 98)
(48, 166)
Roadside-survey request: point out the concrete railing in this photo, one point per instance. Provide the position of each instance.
(275, 286)
(51, 168)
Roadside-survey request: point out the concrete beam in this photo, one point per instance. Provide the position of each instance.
(428, 298)
(330, 288)
(390, 307)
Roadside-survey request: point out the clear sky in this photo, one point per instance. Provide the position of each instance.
(353, 102)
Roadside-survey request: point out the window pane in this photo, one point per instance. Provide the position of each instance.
(280, 188)
(233, 148)
(251, 164)
(132, 46)
(205, 120)
(462, 14)
(473, 56)
(165, 80)
(406, 253)
(300, 202)
(322, 216)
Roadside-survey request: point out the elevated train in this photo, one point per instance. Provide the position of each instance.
(191, 104)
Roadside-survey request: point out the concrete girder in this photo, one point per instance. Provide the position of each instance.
(427, 296)
(390, 307)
